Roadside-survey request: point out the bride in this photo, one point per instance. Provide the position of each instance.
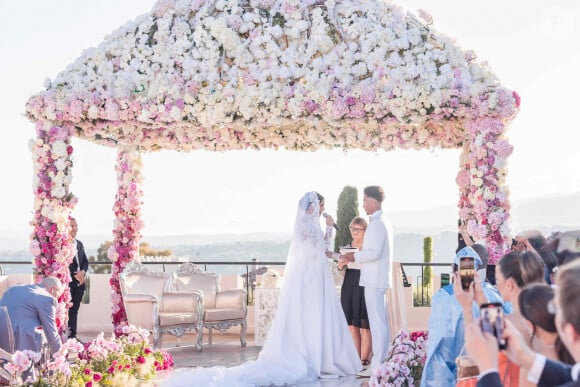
(309, 338)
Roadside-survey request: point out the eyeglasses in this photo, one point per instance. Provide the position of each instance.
(551, 306)
(356, 229)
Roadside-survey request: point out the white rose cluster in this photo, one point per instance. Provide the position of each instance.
(254, 66)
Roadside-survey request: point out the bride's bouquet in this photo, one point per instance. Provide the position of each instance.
(405, 361)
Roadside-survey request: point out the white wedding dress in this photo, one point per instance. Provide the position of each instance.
(309, 338)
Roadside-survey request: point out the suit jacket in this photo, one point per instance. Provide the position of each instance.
(74, 267)
(376, 254)
(554, 374)
(30, 306)
(490, 380)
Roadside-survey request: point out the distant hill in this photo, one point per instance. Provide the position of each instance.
(548, 214)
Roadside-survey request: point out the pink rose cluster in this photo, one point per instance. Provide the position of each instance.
(484, 195)
(50, 242)
(126, 235)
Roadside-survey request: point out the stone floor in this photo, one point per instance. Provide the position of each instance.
(227, 351)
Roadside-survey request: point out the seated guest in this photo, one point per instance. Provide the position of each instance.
(542, 371)
(446, 337)
(30, 306)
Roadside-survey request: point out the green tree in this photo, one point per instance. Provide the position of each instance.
(101, 257)
(148, 251)
(427, 258)
(346, 211)
(144, 250)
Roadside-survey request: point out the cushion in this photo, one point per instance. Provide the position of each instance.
(166, 319)
(223, 314)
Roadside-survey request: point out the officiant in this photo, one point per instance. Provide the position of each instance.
(78, 270)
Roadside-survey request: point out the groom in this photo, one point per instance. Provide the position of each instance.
(375, 272)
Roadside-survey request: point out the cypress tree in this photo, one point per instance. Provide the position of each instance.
(347, 209)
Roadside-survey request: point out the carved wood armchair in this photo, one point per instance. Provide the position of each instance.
(223, 309)
(150, 304)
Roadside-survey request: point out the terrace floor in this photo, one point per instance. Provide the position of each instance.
(226, 351)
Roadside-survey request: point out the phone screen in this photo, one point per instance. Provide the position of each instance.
(466, 271)
(492, 321)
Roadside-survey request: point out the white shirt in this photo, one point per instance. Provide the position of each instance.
(376, 253)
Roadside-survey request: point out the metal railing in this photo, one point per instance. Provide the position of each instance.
(252, 267)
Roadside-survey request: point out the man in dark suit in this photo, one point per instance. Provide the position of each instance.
(543, 372)
(32, 306)
(78, 270)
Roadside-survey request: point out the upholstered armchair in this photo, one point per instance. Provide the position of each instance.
(223, 309)
(6, 331)
(150, 304)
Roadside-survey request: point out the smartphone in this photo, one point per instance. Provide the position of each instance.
(466, 271)
(493, 321)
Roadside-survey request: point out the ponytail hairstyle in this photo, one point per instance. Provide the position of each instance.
(524, 268)
(533, 302)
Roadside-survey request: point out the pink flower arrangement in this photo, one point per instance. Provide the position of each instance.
(405, 361)
(115, 361)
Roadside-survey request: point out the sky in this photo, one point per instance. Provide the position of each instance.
(533, 47)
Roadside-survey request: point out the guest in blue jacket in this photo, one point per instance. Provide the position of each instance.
(446, 331)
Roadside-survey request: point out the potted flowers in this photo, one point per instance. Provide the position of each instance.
(404, 363)
(126, 360)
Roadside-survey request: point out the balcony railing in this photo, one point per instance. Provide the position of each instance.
(252, 268)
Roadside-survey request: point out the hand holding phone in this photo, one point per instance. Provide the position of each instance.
(466, 271)
(493, 321)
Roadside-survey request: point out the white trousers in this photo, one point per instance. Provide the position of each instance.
(376, 301)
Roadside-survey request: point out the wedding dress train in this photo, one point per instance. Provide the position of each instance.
(309, 338)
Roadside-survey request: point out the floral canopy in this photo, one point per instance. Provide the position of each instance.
(239, 74)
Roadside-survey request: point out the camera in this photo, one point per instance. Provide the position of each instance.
(493, 321)
(466, 271)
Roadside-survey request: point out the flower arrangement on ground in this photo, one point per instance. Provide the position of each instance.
(117, 361)
(405, 361)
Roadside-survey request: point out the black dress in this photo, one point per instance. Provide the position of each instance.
(352, 298)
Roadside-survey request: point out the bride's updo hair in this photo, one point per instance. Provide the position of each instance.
(320, 197)
(307, 200)
(375, 192)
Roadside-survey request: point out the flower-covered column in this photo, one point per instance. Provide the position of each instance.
(50, 241)
(128, 224)
(463, 181)
(488, 210)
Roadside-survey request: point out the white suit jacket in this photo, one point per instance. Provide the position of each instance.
(376, 254)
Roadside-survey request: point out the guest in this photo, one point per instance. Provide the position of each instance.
(78, 270)
(352, 295)
(533, 304)
(533, 240)
(446, 336)
(514, 271)
(543, 371)
(376, 262)
(31, 306)
(463, 239)
(568, 247)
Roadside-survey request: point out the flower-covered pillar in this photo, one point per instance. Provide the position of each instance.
(50, 241)
(128, 224)
(487, 192)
